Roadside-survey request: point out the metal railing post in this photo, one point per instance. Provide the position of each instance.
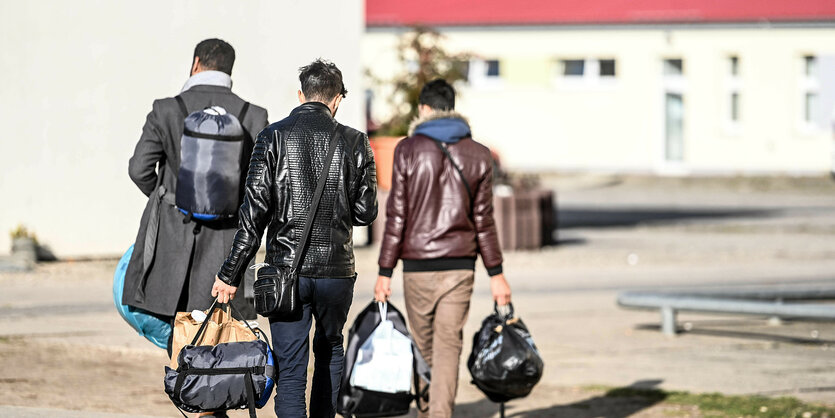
(668, 321)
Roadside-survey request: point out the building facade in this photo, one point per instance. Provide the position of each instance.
(80, 77)
(694, 87)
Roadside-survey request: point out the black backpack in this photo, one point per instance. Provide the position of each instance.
(211, 151)
(359, 402)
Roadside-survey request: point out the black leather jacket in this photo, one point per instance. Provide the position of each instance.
(283, 172)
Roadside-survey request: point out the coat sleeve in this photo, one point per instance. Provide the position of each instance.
(148, 152)
(486, 236)
(396, 213)
(364, 204)
(254, 214)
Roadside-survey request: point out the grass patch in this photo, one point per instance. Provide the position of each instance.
(719, 405)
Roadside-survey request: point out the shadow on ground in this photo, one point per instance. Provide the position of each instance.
(740, 334)
(616, 403)
(592, 217)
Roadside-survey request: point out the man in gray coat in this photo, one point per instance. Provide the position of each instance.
(175, 256)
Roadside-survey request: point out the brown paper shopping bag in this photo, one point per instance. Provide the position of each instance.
(222, 328)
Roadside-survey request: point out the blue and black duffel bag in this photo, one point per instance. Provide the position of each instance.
(235, 375)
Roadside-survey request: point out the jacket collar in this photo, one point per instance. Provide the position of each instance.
(312, 107)
(208, 78)
(444, 114)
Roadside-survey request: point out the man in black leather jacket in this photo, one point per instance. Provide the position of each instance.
(283, 173)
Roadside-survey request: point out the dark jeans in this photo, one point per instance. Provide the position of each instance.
(327, 300)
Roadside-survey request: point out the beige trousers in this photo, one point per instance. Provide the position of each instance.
(437, 303)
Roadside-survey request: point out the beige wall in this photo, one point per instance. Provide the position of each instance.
(79, 78)
(539, 121)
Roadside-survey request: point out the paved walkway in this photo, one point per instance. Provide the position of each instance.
(566, 295)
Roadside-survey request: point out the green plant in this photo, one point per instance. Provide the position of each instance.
(423, 58)
(731, 406)
(22, 232)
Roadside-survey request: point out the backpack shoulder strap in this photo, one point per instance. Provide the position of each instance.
(242, 113)
(182, 105)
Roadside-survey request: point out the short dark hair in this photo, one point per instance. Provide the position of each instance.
(215, 54)
(321, 80)
(438, 95)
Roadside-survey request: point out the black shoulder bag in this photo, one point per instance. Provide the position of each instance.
(277, 287)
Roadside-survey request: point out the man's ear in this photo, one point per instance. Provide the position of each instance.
(335, 103)
(195, 66)
(424, 110)
(302, 99)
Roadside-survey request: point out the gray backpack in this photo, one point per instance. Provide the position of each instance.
(211, 150)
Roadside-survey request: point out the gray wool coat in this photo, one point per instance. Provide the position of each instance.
(185, 260)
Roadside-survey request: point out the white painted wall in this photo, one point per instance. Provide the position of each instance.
(79, 78)
(538, 121)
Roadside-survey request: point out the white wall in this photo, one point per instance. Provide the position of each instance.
(538, 121)
(79, 78)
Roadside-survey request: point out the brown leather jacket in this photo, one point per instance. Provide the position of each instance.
(429, 224)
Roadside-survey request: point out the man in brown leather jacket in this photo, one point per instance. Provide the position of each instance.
(439, 218)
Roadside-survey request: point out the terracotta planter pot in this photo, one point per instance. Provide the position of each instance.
(383, 147)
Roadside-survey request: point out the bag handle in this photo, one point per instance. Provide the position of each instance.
(383, 308)
(212, 308)
(460, 174)
(505, 317)
(317, 196)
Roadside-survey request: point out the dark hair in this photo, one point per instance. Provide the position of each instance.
(215, 54)
(438, 95)
(321, 80)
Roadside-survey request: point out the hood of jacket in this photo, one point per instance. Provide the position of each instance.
(445, 126)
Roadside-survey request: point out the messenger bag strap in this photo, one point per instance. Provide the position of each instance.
(460, 174)
(317, 196)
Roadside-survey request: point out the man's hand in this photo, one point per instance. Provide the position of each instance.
(222, 291)
(382, 290)
(500, 289)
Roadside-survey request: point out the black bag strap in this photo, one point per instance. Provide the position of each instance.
(212, 308)
(317, 196)
(460, 174)
(182, 104)
(242, 114)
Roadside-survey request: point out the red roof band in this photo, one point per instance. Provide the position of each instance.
(547, 12)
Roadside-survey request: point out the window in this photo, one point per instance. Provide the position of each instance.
(810, 65)
(483, 73)
(673, 66)
(810, 105)
(735, 107)
(573, 68)
(674, 127)
(810, 117)
(492, 68)
(607, 68)
(732, 88)
(733, 62)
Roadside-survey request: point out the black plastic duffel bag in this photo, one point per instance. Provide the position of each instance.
(504, 363)
(226, 376)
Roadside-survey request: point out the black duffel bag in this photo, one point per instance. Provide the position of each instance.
(504, 363)
(226, 376)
